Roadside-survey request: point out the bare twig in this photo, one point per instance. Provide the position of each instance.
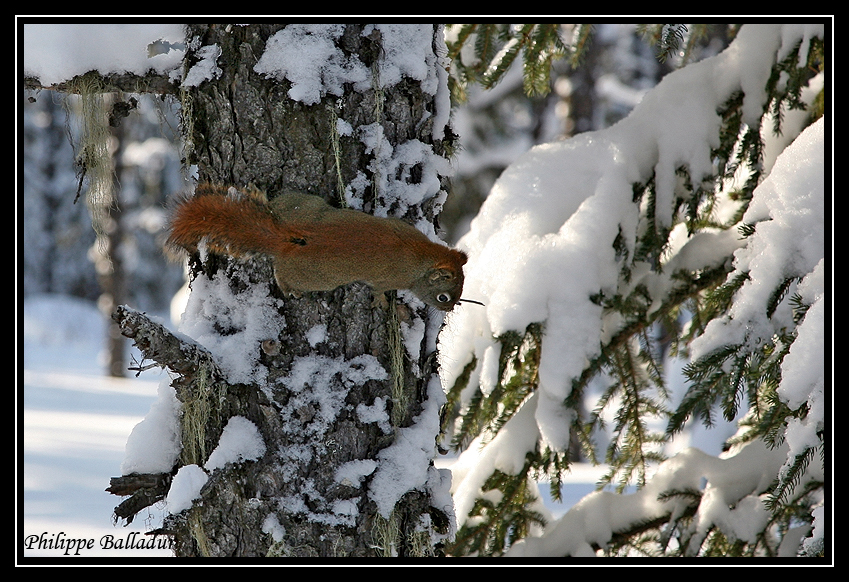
(156, 342)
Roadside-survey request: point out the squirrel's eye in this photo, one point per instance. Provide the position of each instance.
(443, 298)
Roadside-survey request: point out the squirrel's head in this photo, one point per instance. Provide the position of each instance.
(442, 285)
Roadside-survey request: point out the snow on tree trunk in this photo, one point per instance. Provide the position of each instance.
(313, 432)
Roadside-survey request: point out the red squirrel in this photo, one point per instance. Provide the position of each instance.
(316, 247)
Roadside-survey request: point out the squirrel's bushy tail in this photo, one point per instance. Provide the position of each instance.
(238, 226)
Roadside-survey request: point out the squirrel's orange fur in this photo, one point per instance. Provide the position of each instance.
(316, 247)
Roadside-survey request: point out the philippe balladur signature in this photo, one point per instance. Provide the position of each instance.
(75, 545)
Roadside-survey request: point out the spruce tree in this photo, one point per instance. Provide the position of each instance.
(334, 399)
(661, 302)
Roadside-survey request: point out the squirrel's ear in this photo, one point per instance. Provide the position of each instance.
(453, 262)
(460, 256)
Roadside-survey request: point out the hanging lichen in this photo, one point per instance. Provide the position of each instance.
(337, 154)
(94, 161)
(385, 533)
(400, 399)
(198, 405)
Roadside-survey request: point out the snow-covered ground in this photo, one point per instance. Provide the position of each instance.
(73, 427)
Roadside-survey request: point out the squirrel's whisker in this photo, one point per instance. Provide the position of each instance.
(464, 300)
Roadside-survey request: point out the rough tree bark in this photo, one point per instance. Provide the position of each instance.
(245, 129)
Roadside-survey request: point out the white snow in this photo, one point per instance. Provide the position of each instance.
(240, 441)
(391, 170)
(789, 244)
(352, 473)
(206, 68)
(317, 334)
(506, 452)
(305, 55)
(375, 413)
(185, 488)
(727, 500)
(249, 318)
(311, 384)
(404, 465)
(155, 444)
(271, 525)
(56, 52)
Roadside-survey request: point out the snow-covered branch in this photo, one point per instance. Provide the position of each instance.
(597, 235)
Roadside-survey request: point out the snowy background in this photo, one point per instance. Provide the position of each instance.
(76, 421)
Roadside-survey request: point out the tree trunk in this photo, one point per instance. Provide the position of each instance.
(113, 275)
(345, 394)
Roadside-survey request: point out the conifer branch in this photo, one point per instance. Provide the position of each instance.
(495, 526)
(721, 382)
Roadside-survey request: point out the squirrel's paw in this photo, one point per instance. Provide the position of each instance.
(288, 291)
